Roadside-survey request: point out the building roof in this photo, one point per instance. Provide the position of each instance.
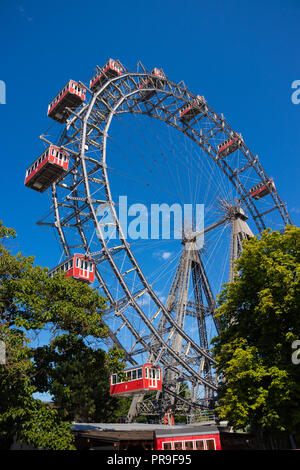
(120, 435)
(130, 429)
(188, 430)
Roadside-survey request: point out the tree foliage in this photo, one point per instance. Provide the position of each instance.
(259, 317)
(75, 373)
(77, 376)
(21, 416)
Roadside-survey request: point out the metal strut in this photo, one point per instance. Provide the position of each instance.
(190, 279)
(240, 231)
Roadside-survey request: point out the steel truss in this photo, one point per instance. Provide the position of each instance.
(75, 211)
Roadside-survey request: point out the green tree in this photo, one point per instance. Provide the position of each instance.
(70, 312)
(21, 416)
(259, 317)
(77, 376)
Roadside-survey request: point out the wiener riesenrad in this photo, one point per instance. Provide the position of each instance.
(121, 144)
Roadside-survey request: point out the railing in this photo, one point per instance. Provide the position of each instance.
(149, 408)
(204, 416)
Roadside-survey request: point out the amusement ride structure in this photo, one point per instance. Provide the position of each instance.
(169, 333)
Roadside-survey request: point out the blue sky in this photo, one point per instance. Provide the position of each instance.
(242, 56)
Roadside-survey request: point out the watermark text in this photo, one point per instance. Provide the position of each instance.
(296, 354)
(2, 92)
(296, 94)
(154, 222)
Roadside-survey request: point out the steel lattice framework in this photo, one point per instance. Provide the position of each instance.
(75, 214)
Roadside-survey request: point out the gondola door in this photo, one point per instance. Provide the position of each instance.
(152, 378)
(85, 269)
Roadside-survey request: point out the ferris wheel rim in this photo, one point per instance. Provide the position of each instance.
(86, 111)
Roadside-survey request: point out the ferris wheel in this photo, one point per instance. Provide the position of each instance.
(132, 143)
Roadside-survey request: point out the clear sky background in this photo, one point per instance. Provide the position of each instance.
(242, 56)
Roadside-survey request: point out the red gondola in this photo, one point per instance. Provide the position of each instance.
(156, 81)
(71, 96)
(47, 168)
(111, 69)
(78, 266)
(190, 110)
(138, 379)
(229, 145)
(262, 189)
